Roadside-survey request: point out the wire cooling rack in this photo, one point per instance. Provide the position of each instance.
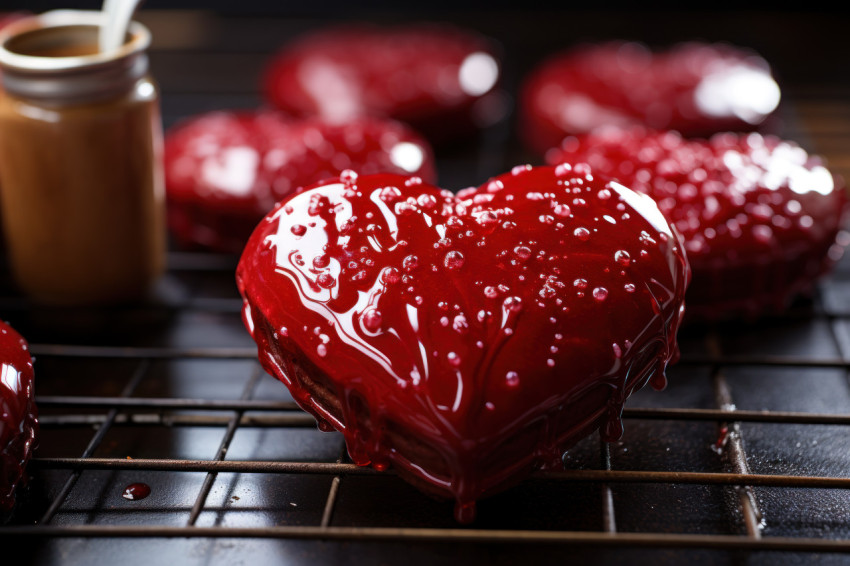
(703, 466)
(745, 458)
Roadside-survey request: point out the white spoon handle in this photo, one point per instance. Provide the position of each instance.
(118, 15)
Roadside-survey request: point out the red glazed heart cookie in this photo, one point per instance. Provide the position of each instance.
(225, 170)
(437, 78)
(18, 417)
(695, 88)
(465, 339)
(760, 217)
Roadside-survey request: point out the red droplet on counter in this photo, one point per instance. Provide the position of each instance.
(136, 491)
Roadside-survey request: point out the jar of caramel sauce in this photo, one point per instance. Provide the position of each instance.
(81, 174)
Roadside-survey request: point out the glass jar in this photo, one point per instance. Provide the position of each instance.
(83, 200)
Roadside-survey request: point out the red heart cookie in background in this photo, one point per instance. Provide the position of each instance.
(465, 339)
(18, 415)
(696, 88)
(439, 79)
(225, 170)
(761, 218)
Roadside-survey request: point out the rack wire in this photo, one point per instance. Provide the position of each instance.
(106, 413)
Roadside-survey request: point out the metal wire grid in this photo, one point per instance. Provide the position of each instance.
(128, 409)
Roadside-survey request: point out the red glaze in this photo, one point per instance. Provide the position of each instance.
(494, 328)
(18, 415)
(760, 217)
(431, 77)
(225, 170)
(695, 88)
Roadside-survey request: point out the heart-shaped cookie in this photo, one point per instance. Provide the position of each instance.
(465, 339)
(694, 88)
(224, 170)
(761, 218)
(18, 415)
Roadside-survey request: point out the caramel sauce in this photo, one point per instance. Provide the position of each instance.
(64, 51)
(83, 197)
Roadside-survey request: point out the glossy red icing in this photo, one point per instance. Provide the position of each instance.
(695, 88)
(468, 339)
(225, 170)
(436, 78)
(18, 415)
(760, 217)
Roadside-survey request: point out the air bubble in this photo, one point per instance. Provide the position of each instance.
(348, 176)
(562, 210)
(453, 260)
(320, 261)
(298, 229)
(622, 257)
(513, 304)
(372, 320)
(410, 263)
(426, 201)
(522, 252)
(512, 378)
(582, 234)
(325, 280)
(600, 293)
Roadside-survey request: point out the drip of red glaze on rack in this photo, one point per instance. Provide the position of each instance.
(18, 415)
(136, 491)
(465, 339)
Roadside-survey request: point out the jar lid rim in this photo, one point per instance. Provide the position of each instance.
(65, 19)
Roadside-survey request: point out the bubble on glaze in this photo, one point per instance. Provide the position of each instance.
(389, 194)
(629, 287)
(426, 201)
(563, 169)
(600, 293)
(522, 252)
(460, 324)
(580, 283)
(562, 210)
(372, 320)
(453, 260)
(298, 229)
(325, 280)
(453, 359)
(322, 350)
(582, 233)
(491, 292)
(513, 304)
(512, 379)
(622, 257)
(410, 263)
(321, 261)
(348, 176)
